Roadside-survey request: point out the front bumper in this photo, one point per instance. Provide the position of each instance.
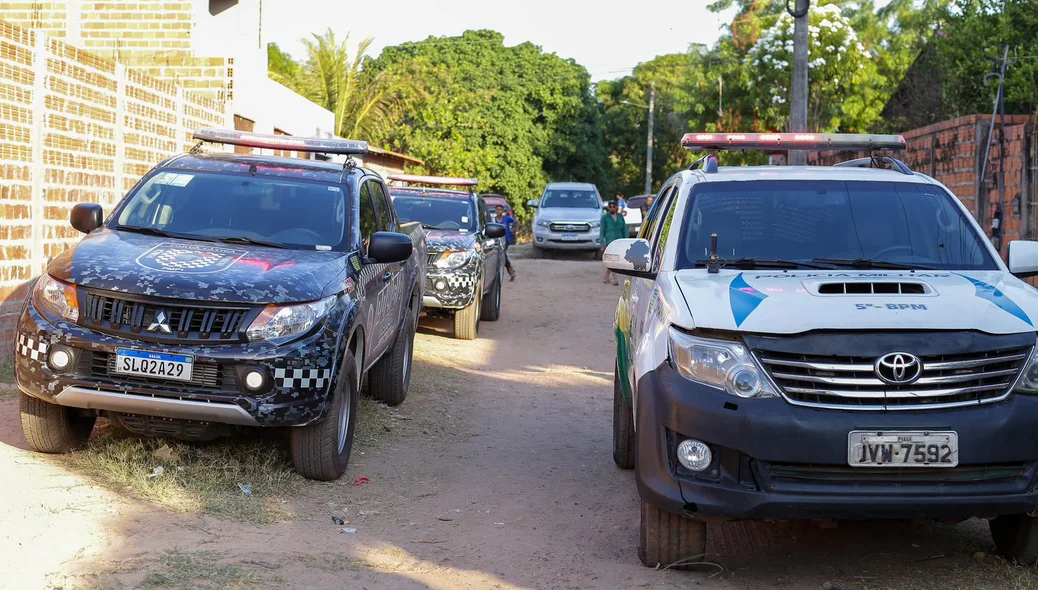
(453, 288)
(299, 376)
(774, 460)
(549, 240)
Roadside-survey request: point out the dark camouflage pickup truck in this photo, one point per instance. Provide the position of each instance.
(227, 290)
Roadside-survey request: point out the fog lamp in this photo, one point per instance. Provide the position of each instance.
(60, 359)
(440, 285)
(254, 380)
(694, 455)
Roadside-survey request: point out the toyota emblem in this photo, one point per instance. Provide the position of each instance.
(899, 368)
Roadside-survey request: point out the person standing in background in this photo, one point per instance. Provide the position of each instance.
(621, 204)
(508, 221)
(613, 227)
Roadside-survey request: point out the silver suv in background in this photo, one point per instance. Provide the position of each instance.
(568, 217)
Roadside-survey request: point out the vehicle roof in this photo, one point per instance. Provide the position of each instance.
(416, 191)
(265, 165)
(742, 173)
(571, 185)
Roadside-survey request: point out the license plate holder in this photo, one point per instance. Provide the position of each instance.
(570, 237)
(154, 365)
(903, 448)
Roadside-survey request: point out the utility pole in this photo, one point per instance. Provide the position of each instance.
(801, 51)
(1000, 112)
(720, 98)
(648, 145)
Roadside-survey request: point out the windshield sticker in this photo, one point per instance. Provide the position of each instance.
(173, 179)
(989, 292)
(190, 258)
(322, 248)
(464, 219)
(892, 306)
(743, 299)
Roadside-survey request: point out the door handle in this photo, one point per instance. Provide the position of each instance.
(387, 276)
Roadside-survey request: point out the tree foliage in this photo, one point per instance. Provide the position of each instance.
(514, 117)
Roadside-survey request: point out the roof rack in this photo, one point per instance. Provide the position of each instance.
(876, 161)
(434, 180)
(349, 147)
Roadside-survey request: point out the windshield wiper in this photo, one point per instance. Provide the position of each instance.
(869, 264)
(244, 240)
(752, 263)
(154, 231)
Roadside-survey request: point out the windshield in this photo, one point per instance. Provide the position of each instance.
(436, 213)
(212, 205)
(894, 222)
(571, 199)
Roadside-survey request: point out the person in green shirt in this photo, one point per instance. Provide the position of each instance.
(614, 227)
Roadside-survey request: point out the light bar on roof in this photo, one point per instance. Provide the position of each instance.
(791, 141)
(321, 145)
(434, 180)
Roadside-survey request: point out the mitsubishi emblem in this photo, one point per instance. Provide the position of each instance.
(161, 323)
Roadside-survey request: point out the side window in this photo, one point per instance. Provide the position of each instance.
(382, 210)
(653, 216)
(368, 220)
(662, 235)
(483, 213)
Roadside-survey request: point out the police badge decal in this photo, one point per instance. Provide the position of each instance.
(189, 258)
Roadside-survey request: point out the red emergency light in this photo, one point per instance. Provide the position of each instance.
(791, 141)
(321, 145)
(434, 180)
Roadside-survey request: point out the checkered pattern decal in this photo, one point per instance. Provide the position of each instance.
(455, 281)
(301, 378)
(31, 348)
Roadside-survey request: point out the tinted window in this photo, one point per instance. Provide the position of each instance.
(571, 199)
(904, 223)
(368, 220)
(653, 215)
(436, 213)
(381, 207)
(286, 211)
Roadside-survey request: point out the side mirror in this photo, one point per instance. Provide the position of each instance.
(386, 247)
(86, 217)
(495, 230)
(533, 203)
(1023, 258)
(630, 257)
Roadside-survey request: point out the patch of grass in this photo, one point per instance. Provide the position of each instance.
(7, 372)
(7, 387)
(196, 477)
(176, 569)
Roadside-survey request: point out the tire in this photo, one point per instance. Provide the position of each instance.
(536, 252)
(50, 428)
(321, 451)
(671, 541)
(389, 379)
(466, 320)
(623, 426)
(1016, 537)
(491, 306)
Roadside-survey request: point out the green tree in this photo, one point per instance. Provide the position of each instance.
(514, 117)
(281, 67)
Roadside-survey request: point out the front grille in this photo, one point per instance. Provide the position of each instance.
(129, 315)
(204, 376)
(570, 228)
(432, 258)
(852, 382)
(788, 478)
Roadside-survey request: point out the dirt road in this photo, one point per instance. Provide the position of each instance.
(496, 473)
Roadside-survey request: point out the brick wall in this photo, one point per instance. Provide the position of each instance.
(952, 152)
(152, 36)
(74, 128)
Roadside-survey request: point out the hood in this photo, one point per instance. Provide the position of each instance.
(569, 214)
(800, 301)
(188, 269)
(442, 240)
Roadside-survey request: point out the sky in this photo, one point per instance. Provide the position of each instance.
(608, 38)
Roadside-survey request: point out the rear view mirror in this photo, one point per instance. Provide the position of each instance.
(388, 247)
(532, 203)
(630, 257)
(1023, 258)
(495, 230)
(86, 217)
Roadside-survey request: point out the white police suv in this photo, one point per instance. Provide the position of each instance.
(822, 342)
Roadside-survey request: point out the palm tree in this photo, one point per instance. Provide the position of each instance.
(364, 105)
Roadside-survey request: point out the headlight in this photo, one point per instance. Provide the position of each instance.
(543, 223)
(1028, 382)
(719, 363)
(596, 224)
(55, 299)
(453, 259)
(279, 323)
